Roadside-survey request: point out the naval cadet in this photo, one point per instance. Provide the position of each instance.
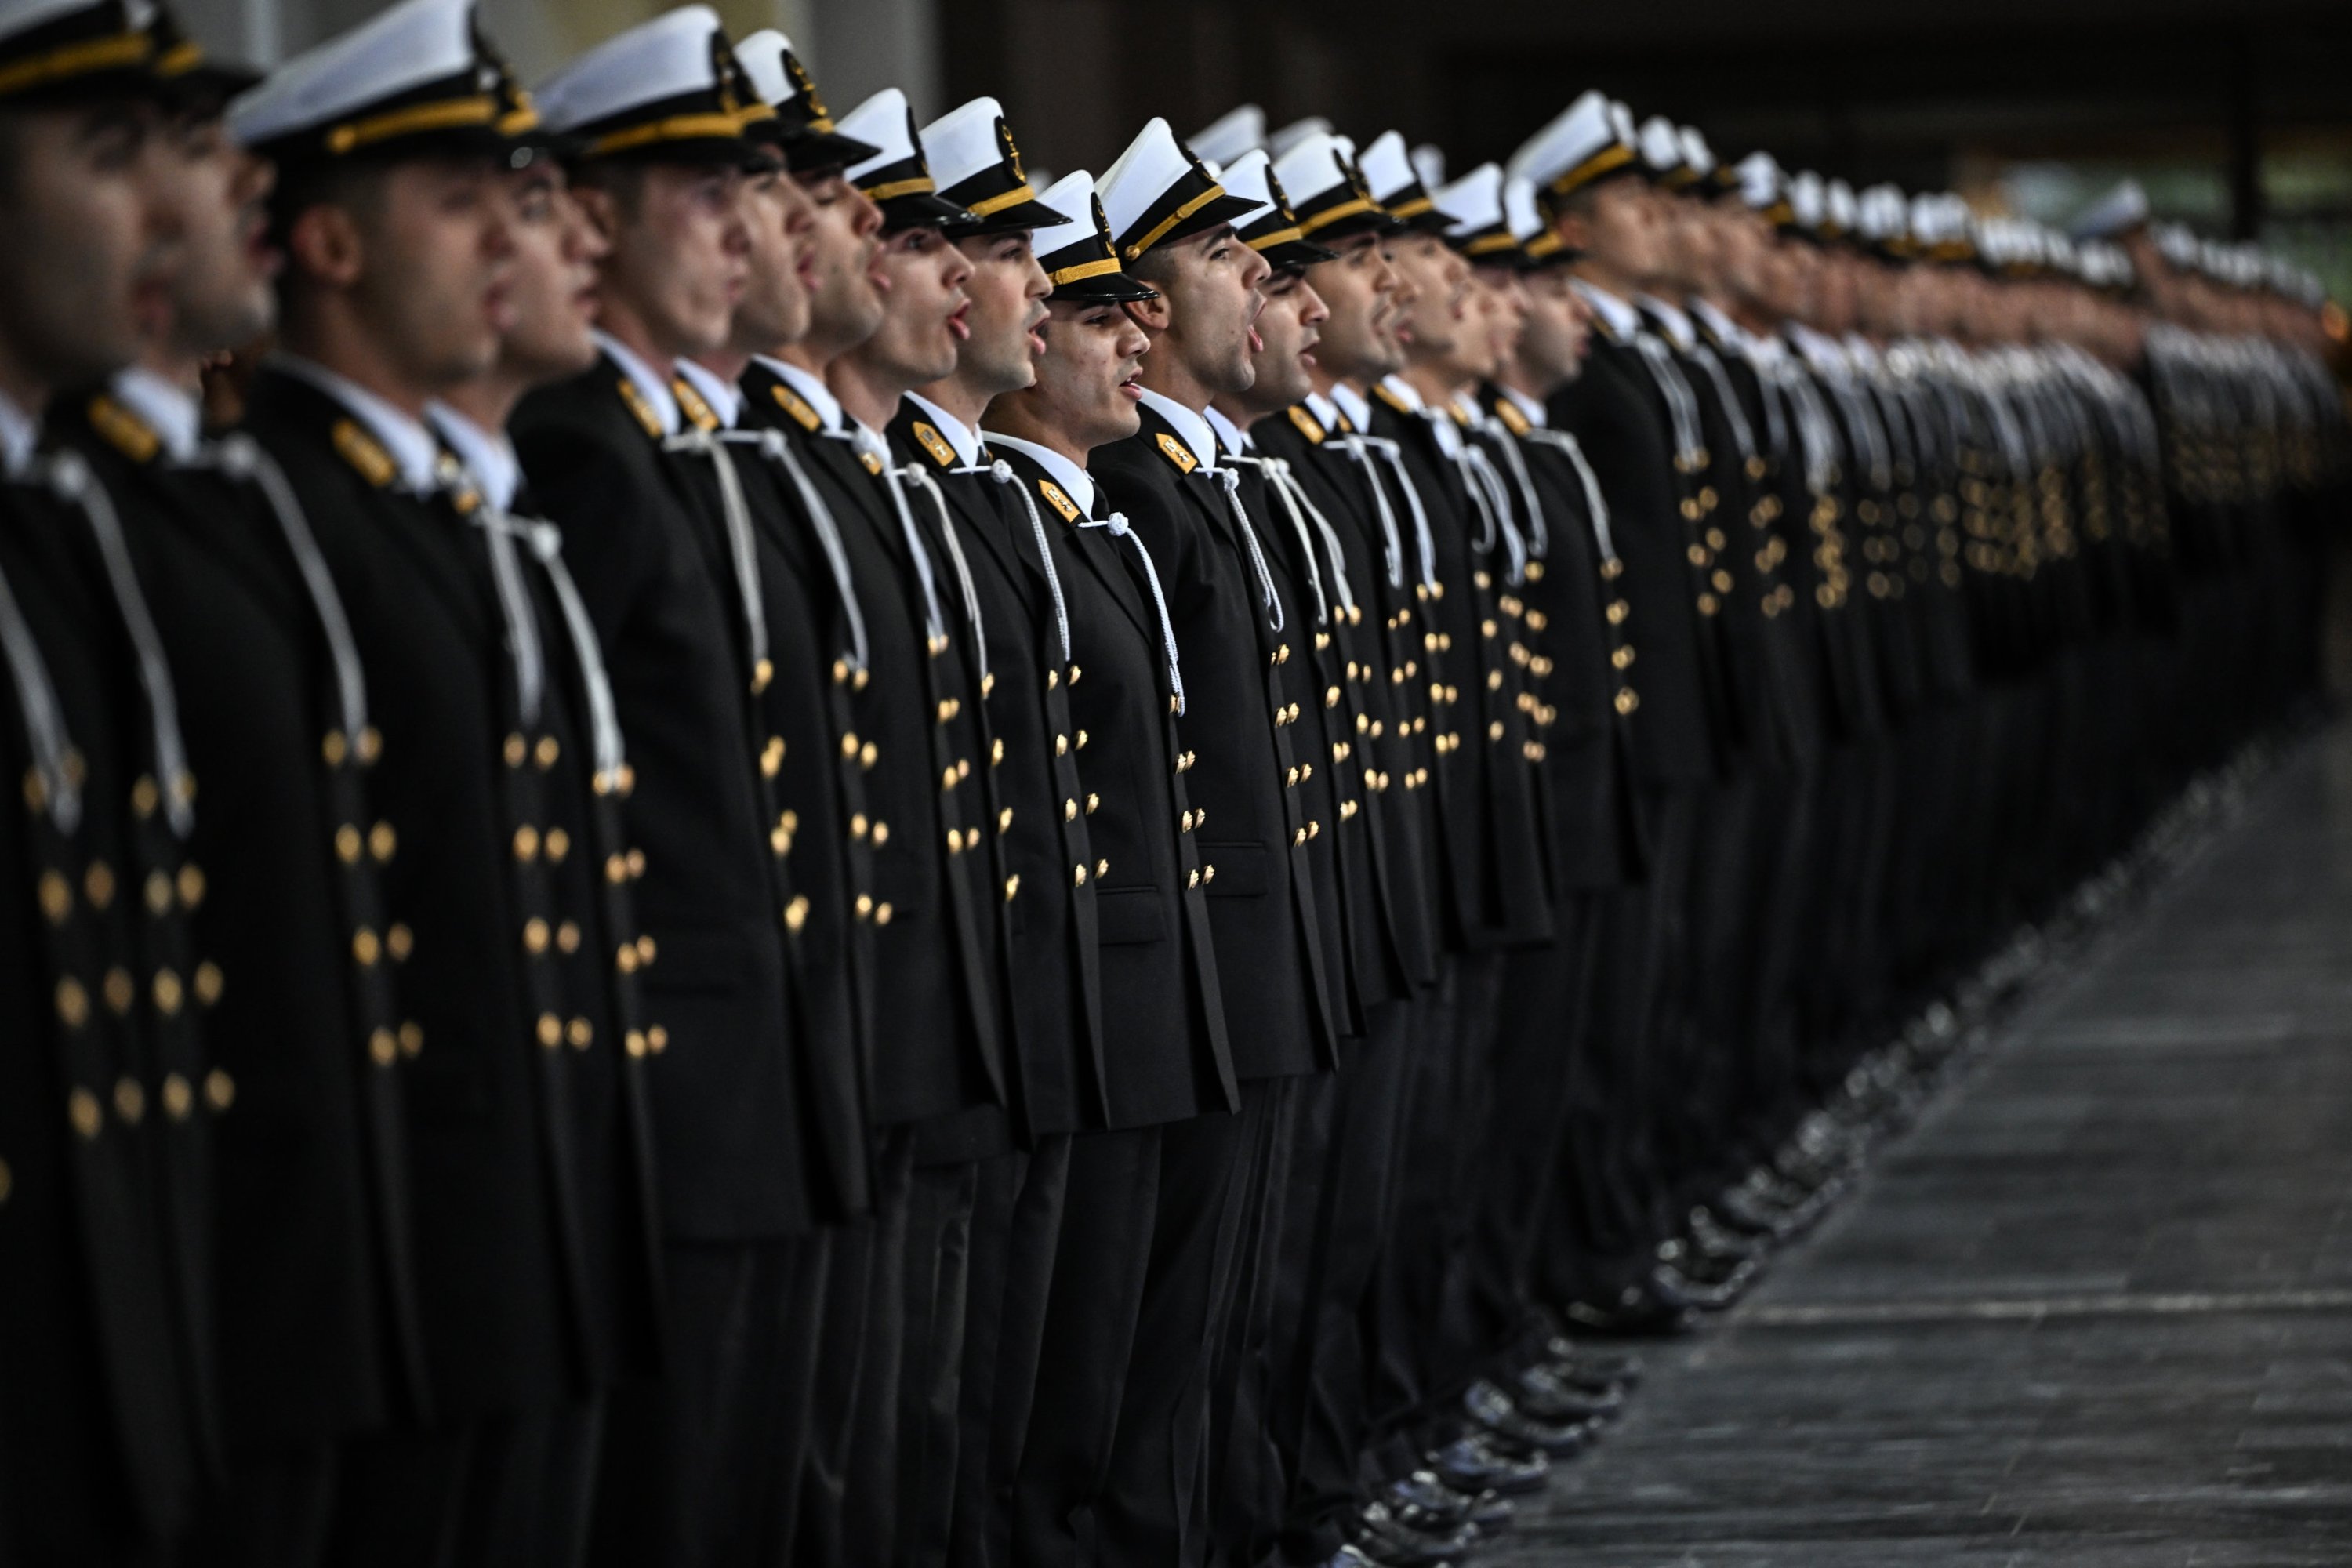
(104, 1443)
(1174, 226)
(523, 1099)
(1042, 826)
(1125, 1305)
(652, 123)
(280, 873)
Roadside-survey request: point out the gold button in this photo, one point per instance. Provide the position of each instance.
(1070, 809)
(1093, 800)
(1298, 837)
(636, 863)
(1078, 876)
(1620, 659)
(550, 1030)
(1208, 874)
(955, 840)
(858, 825)
(145, 797)
(762, 673)
(1012, 886)
(947, 778)
(119, 990)
(220, 1090)
(882, 913)
(616, 869)
(867, 754)
(534, 936)
(370, 745)
(334, 747)
(849, 745)
(558, 844)
(383, 1047)
(179, 1096)
(635, 1041)
(881, 833)
(191, 885)
(1075, 674)
(546, 753)
(399, 941)
(624, 958)
(81, 1110)
(1082, 739)
(347, 844)
(1061, 745)
(1618, 610)
(209, 983)
(995, 752)
(526, 842)
(98, 885)
(56, 898)
(1102, 869)
(412, 1039)
(514, 751)
(365, 948)
(167, 993)
(1191, 879)
(796, 913)
(865, 906)
(657, 1039)
(1627, 699)
(772, 757)
(581, 1034)
(130, 1101)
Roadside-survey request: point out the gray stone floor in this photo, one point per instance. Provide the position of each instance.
(2096, 1310)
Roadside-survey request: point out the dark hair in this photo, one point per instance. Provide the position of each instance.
(301, 186)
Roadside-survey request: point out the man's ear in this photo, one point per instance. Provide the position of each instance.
(1574, 228)
(1152, 315)
(602, 212)
(326, 244)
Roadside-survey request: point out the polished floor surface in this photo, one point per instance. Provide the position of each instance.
(2095, 1309)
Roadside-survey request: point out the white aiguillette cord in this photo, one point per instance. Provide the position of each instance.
(1393, 455)
(1117, 527)
(915, 472)
(70, 478)
(1230, 483)
(1002, 473)
(1276, 472)
(778, 452)
(735, 515)
(240, 457)
(1567, 444)
(1486, 487)
(45, 727)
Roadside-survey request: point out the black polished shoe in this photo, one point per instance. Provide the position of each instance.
(1472, 1465)
(1714, 1238)
(1387, 1540)
(1700, 1295)
(1494, 1412)
(1547, 1396)
(1423, 1501)
(1588, 1368)
(1637, 1312)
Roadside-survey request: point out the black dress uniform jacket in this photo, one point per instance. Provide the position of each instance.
(1041, 810)
(1269, 942)
(729, 1113)
(97, 1441)
(316, 1313)
(937, 1039)
(1680, 735)
(1168, 1057)
(533, 1253)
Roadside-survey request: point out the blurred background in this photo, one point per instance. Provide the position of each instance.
(2236, 115)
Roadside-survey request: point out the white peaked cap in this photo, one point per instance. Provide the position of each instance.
(2176, 244)
(1229, 136)
(761, 55)
(1519, 207)
(1281, 141)
(1931, 220)
(416, 42)
(2121, 210)
(960, 142)
(1387, 166)
(1073, 194)
(1154, 164)
(1882, 214)
(883, 120)
(666, 57)
(1246, 177)
(1805, 198)
(1473, 201)
(1583, 141)
(1429, 162)
(1311, 166)
(1661, 143)
(1839, 206)
(1697, 156)
(1761, 182)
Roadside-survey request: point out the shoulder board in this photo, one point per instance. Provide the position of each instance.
(1305, 422)
(793, 404)
(637, 405)
(873, 463)
(1346, 426)
(694, 404)
(1380, 390)
(935, 444)
(363, 452)
(1601, 324)
(1459, 416)
(1513, 420)
(128, 434)
(1057, 501)
(1173, 450)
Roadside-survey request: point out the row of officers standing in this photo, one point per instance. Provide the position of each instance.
(789, 853)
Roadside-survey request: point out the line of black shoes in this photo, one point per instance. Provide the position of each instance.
(1520, 1425)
